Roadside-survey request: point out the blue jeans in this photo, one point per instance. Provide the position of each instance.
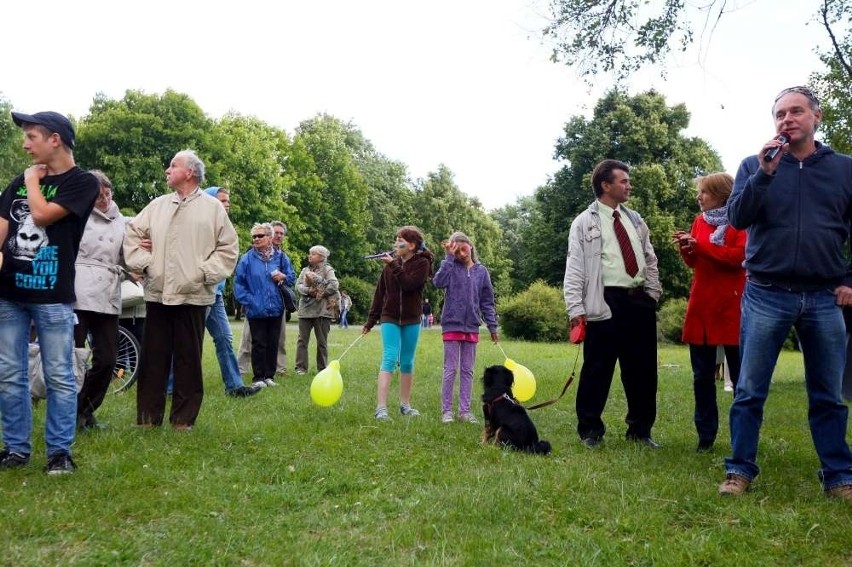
(220, 330)
(344, 319)
(768, 312)
(54, 324)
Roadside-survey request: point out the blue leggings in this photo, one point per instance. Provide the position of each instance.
(399, 344)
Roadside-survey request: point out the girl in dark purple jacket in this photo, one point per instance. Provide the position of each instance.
(469, 300)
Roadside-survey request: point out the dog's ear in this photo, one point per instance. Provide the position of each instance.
(508, 378)
(488, 377)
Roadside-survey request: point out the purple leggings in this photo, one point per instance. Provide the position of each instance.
(458, 355)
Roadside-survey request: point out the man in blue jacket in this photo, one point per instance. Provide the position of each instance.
(220, 329)
(794, 198)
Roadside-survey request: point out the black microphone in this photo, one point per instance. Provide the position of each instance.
(784, 138)
(379, 255)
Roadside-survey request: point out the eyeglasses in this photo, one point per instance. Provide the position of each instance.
(809, 94)
(281, 234)
(256, 236)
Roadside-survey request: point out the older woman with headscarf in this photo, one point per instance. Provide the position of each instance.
(318, 287)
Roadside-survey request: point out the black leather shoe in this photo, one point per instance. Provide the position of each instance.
(704, 447)
(592, 442)
(647, 441)
(244, 391)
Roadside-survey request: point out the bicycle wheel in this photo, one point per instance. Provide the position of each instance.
(127, 361)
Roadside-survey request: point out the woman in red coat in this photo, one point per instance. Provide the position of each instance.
(715, 251)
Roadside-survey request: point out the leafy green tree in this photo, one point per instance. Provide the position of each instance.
(251, 158)
(13, 158)
(443, 209)
(645, 133)
(330, 192)
(514, 220)
(133, 140)
(624, 36)
(390, 203)
(832, 85)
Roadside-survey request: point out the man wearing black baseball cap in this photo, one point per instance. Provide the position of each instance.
(43, 213)
(54, 122)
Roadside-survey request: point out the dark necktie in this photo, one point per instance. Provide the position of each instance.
(627, 253)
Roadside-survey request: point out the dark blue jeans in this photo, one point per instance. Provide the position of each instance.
(703, 359)
(768, 314)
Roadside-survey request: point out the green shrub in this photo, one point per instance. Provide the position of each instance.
(361, 293)
(536, 314)
(670, 320)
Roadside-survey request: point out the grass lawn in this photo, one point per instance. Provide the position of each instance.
(276, 480)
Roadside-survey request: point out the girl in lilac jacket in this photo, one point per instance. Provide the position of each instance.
(468, 301)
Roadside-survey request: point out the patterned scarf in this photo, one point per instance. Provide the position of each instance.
(719, 219)
(266, 252)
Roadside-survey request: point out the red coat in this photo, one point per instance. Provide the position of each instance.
(713, 311)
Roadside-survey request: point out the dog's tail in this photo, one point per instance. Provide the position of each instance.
(540, 448)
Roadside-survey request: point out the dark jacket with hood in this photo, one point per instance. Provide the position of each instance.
(399, 294)
(798, 219)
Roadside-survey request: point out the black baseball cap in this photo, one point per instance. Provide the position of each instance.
(53, 121)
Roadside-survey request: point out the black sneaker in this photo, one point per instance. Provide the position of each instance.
(12, 460)
(243, 391)
(60, 463)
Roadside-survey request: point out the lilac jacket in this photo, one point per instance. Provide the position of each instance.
(469, 298)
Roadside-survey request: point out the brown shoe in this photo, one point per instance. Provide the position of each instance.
(734, 485)
(840, 492)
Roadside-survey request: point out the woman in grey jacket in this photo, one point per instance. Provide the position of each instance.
(97, 287)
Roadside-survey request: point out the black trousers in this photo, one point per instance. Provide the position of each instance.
(172, 332)
(265, 332)
(104, 330)
(629, 338)
(703, 359)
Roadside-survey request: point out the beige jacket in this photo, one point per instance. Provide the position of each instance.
(193, 247)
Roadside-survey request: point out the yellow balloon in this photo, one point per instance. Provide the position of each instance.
(327, 385)
(524, 387)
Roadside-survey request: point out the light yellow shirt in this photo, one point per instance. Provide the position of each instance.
(612, 263)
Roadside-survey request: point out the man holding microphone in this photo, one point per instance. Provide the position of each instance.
(794, 198)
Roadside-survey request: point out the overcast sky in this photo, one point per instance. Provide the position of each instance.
(466, 83)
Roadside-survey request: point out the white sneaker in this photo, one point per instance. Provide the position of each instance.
(270, 382)
(382, 414)
(259, 384)
(447, 417)
(729, 388)
(468, 417)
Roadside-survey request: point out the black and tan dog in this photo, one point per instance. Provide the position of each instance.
(506, 421)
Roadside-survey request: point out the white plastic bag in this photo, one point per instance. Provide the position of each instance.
(38, 389)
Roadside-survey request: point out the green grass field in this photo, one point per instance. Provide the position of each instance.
(276, 480)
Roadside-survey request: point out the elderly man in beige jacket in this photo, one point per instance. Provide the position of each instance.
(184, 244)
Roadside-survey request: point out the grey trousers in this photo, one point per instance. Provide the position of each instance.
(320, 326)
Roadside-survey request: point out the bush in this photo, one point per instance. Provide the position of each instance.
(361, 293)
(536, 314)
(670, 319)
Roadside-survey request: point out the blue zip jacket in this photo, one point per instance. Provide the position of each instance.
(798, 219)
(469, 298)
(254, 287)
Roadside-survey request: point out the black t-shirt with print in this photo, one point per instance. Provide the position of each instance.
(38, 262)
